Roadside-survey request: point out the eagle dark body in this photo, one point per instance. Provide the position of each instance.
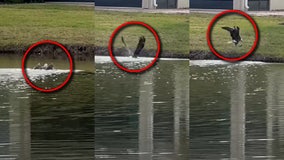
(140, 46)
(235, 34)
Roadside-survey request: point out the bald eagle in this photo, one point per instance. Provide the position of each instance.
(235, 34)
(138, 49)
(45, 66)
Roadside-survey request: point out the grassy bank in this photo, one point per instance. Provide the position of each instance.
(271, 35)
(24, 24)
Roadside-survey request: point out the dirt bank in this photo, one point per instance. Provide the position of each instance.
(78, 52)
(204, 55)
(81, 52)
(87, 53)
(103, 51)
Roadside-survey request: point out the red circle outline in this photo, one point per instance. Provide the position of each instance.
(208, 35)
(129, 23)
(25, 74)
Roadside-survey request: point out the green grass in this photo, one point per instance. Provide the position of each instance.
(24, 24)
(271, 34)
(172, 29)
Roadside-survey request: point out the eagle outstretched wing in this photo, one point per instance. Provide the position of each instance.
(122, 39)
(125, 45)
(228, 29)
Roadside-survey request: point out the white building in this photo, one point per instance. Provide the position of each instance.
(276, 5)
(251, 5)
(147, 4)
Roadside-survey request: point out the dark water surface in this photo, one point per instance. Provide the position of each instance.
(41, 126)
(233, 111)
(142, 116)
(236, 111)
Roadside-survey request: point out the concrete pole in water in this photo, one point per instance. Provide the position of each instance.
(241, 5)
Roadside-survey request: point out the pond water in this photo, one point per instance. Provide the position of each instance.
(236, 110)
(233, 111)
(142, 116)
(41, 126)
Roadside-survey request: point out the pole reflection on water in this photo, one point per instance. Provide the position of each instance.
(14, 124)
(146, 116)
(238, 91)
(271, 100)
(181, 111)
(20, 126)
(280, 115)
(275, 112)
(255, 114)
